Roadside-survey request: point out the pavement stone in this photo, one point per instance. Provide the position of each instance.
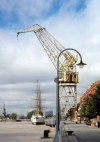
(72, 138)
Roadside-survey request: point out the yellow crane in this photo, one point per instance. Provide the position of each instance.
(67, 65)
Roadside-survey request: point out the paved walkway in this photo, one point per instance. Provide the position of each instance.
(81, 133)
(67, 133)
(26, 132)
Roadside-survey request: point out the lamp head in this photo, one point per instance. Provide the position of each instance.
(81, 64)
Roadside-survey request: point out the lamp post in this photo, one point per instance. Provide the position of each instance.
(80, 64)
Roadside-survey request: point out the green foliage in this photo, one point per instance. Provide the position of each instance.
(14, 116)
(22, 117)
(29, 114)
(41, 113)
(91, 106)
(33, 112)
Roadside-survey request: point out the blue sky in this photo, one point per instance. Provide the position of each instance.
(74, 23)
(12, 13)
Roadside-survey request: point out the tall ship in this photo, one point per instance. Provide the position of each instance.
(37, 117)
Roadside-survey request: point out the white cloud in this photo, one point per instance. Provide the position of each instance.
(24, 61)
(21, 65)
(24, 9)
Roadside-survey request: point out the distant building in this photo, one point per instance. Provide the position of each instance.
(89, 91)
(49, 113)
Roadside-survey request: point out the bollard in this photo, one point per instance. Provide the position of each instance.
(46, 133)
(70, 132)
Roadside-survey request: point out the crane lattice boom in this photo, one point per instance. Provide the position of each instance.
(52, 47)
(67, 64)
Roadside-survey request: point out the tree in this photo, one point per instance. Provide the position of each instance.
(88, 108)
(29, 114)
(33, 112)
(22, 117)
(4, 111)
(96, 100)
(14, 116)
(91, 106)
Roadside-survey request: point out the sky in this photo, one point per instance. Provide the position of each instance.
(74, 23)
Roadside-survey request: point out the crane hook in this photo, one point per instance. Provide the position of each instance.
(18, 34)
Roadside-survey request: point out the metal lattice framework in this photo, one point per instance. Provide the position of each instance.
(67, 64)
(52, 47)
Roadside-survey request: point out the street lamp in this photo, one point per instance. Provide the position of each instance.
(81, 65)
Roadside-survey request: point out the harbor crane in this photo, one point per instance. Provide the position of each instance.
(67, 66)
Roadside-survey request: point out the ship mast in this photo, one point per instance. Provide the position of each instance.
(38, 104)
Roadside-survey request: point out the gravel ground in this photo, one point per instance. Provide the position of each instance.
(24, 132)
